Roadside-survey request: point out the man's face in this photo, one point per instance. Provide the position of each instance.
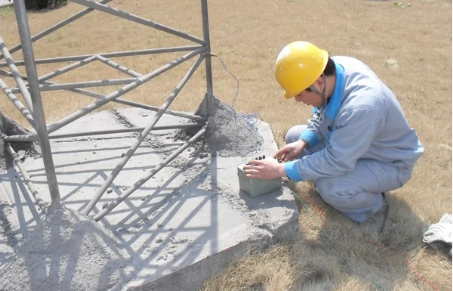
(309, 97)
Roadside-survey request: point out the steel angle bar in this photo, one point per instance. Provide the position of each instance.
(67, 69)
(137, 19)
(139, 105)
(148, 175)
(125, 102)
(111, 55)
(2, 123)
(33, 137)
(93, 106)
(55, 27)
(23, 110)
(209, 87)
(118, 67)
(6, 74)
(84, 84)
(141, 137)
(204, 12)
(38, 113)
(27, 180)
(16, 75)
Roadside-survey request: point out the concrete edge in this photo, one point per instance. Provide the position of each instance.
(193, 277)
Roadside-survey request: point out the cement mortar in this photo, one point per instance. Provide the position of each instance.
(63, 252)
(228, 133)
(13, 128)
(122, 120)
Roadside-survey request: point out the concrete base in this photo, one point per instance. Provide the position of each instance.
(183, 225)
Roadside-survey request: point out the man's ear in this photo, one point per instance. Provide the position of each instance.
(320, 81)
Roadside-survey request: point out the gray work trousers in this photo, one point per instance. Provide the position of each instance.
(356, 194)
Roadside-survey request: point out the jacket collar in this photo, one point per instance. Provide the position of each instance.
(334, 105)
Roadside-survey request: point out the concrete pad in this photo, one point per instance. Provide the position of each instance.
(187, 213)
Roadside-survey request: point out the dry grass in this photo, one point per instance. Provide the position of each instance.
(248, 36)
(258, 272)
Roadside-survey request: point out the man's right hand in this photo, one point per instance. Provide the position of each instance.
(290, 151)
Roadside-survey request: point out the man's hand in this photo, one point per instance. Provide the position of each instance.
(290, 151)
(264, 169)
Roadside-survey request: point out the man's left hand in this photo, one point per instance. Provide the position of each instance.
(264, 169)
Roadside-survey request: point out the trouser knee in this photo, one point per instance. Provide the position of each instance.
(353, 202)
(327, 191)
(294, 133)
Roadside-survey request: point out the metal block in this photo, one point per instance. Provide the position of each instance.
(256, 187)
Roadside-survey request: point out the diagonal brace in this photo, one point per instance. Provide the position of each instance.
(93, 106)
(119, 101)
(18, 104)
(148, 176)
(137, 19)
(67, 69)
(27, 179)
(56, 27)
(141, 137)
(114, 65)
(16, 75)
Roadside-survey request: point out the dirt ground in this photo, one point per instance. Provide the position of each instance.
(407, 44)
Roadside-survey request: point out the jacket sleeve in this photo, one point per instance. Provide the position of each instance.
(312, 134)
(355, 130)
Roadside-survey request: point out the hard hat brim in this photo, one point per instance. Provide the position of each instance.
(289, 95)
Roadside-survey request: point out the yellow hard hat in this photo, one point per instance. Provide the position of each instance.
(298, 66)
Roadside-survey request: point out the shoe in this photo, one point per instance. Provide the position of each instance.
(376, 221)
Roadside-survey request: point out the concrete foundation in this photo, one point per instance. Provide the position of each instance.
(181, 227)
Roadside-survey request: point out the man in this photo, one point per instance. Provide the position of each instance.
(358, 144)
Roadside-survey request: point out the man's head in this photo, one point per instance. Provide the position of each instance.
(301, 70)
(313, 95)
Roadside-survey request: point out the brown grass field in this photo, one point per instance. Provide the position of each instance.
(328, 254)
